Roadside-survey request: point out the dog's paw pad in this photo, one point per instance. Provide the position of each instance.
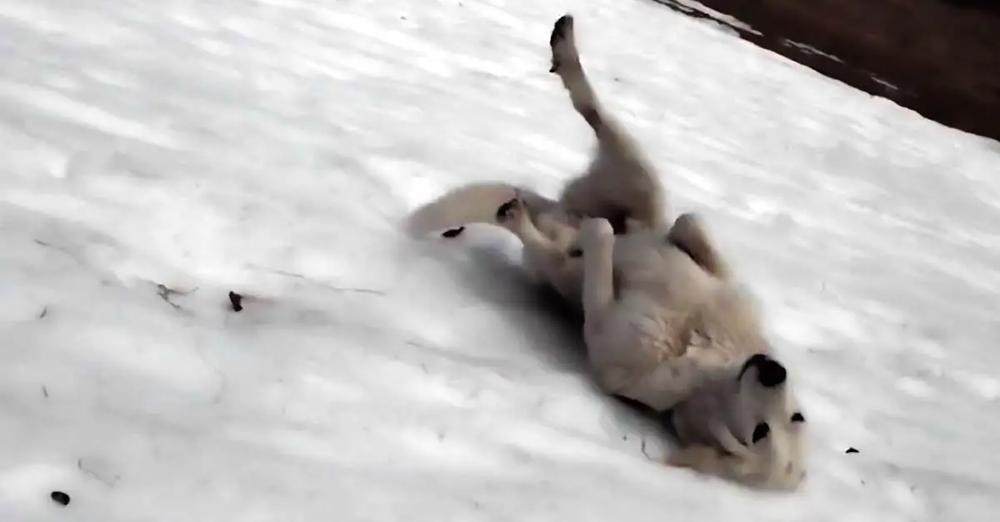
(561, 27)
(452, 232)
(508, 210)
(560, 32)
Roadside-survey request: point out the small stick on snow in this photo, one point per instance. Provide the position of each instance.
(165, 292)
(643, 448)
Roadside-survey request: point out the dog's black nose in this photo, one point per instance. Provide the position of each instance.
(755, 360)
(771, 373)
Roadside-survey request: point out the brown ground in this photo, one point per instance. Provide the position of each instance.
(940, 58)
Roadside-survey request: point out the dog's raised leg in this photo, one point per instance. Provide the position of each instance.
(619, 186)
(566, 64)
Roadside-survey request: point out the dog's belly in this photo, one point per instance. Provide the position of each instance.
(659, 289)
(648, 265)
(644, 331)
(636, 337)
(648, 323)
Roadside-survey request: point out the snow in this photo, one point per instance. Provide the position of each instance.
(273, 147)
(722, 18)
(808, 49)
(889, 86)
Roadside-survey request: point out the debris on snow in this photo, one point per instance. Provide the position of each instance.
(60, 498)
(236, 300)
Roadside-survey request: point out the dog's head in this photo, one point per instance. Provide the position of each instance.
(753, 421)
(768, 419)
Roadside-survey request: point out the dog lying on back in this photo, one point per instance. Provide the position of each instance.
(665, 323)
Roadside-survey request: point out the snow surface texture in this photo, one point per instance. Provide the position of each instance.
(273, 147)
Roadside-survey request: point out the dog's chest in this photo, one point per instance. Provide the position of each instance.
(655, 269)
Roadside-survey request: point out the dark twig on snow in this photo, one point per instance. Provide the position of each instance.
(110, 482)
(165, 292)
(643, 448)
(63, 250)
(345, 289)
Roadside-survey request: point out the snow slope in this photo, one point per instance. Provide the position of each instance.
(272, 147)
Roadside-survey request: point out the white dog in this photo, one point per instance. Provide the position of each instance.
(665, 324)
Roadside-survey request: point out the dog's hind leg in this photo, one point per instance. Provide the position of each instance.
(566, 64)
(689, 235)
(620, 186)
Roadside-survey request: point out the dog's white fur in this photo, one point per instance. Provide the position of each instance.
(664, 322)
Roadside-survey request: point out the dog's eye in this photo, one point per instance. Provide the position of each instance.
(760, 431)
(797, 417)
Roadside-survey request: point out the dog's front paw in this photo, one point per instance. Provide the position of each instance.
(595, 231)
(510, 211)
(561, 27)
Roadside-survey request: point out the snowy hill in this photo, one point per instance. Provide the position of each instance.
(158, 155)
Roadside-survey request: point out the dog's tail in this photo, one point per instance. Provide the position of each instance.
(472, 203)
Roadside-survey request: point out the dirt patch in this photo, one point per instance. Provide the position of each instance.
(940, 58)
